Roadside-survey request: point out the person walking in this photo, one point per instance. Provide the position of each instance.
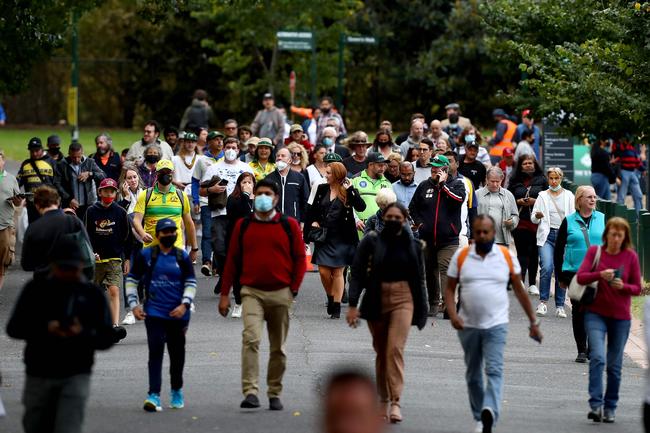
(269, 122)
(421, 165)
(315, 173)
(385, 197)
(406, 186)
(369, 182)
(64, 319)
(38, 170)
(436, 212)
(602, 173)
(150, 137)
(525, 184)
(630, 163)
(482, 272)
(577, 233)
(358, 145)
(10, 199)
(199, 114)
(170, 286)
(267, 256)
(389, 265)
(293, 187)
(330, 225)
(264, 162)
(499, 203)
(147, 167)
(105, 157)
(550, 208)
(607, 319)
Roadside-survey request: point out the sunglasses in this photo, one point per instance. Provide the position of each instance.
(296, 154)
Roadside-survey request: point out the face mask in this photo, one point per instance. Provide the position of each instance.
(295, 161)
(327, 141)
(392, 227)
(470, 138)
(555, 188)
(54, 150)
(453, 118)
(108, 200)
(281, 165)
(263, 203)
(325, 110)
(165, 179)
(168, 241)
(484, 247)
(230, 154)
(152, 159)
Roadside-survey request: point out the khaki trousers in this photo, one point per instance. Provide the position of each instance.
(389, 338)
(273, 307)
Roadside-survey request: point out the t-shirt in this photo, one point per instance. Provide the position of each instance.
(421, 173)
(8, 189)
(484, 287)
(353, 166)
(474, 171)
(163, 205)
(183, 173)
(227, 171)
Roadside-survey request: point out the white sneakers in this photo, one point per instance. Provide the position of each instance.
(129, 319)
(542, 309)
(478, 428)
(559, 312)
(192, 308)
(533, 290)
(236, 312)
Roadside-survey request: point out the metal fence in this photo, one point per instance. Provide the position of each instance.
(640, 225)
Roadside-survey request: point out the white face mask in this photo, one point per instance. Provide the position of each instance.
(230, 154)
(281, 165)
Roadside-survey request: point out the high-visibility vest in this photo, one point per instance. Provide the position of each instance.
(497, 150)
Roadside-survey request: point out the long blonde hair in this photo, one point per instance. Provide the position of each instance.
(125, 169)
(304, 157)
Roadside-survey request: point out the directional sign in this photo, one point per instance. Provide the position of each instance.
(361, 40)
(557, 150)
(295, 41)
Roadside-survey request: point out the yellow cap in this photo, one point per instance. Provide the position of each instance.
(164, 164)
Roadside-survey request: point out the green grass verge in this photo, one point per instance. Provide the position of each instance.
(637, 307)
(13, 141)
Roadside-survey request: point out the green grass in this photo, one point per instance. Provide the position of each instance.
(637, 306)
(13, 141)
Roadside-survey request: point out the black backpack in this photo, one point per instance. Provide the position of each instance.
(197, 118)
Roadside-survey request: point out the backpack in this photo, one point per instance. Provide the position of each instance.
(179, 194)
(87, 253)
(197, 117)
(155, 252)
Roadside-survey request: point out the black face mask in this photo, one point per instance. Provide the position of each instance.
(54, 150)
(484, 247)
(151, 159)
(168, 241)
(392, 227)
(325, 111)
(164, 179)
(453, 118)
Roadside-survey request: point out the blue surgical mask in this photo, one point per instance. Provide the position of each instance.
(263, 203)
(470, 138)
(555, 188)
(327, 141)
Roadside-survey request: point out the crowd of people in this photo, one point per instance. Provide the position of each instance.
(439, 221)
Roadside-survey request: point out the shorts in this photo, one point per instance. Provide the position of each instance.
(7, 248)
(109, 274)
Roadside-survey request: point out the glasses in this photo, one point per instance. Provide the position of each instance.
(423, 149)
(296, 154)
(230, 128)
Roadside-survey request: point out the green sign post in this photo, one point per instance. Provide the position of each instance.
(343, 40)
(581, 165)
(300, 41)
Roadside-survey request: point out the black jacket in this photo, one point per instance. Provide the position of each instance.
(45, 300)
(437, 207)
(109, 231)
(236, 209)
(600, 163)
(113, 167)
(293, 194)
(522, 187)
(368, 259)
(341, 225)
(64, 184)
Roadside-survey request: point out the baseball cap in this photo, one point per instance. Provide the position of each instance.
(214, 134)
(331, 157)
(452, 106)
(268, 96)
(190, 136)
(295, 127)
(508, 152)
(439, 161)
(498, 112)
(164, 164)
(53, 139)
(254, 141)
(471, 144)
(527, 113)
(108, 183)
(376, 157)
(165, 224)
(34, 143)
(181, 135)
(265, 142)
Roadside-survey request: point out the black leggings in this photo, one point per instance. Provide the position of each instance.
(578, 321)
(646, 417)
(159, 332)
(527, 254)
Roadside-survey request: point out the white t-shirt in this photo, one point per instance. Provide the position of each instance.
(226, 171)
(181, 172)
(315, 179)
(421, 173)
(484, 281)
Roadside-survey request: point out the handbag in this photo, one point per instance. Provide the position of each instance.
(216, 201)
(585, 294)
(317, 234)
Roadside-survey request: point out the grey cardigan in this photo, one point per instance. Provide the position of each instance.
(509, 210)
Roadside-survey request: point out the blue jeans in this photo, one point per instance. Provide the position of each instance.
(616, 331)
(546, 272)
(630, 181)
(484, 350)
(600, 183)
(206, 234)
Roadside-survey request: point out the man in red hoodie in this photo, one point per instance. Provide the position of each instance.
(267, 256)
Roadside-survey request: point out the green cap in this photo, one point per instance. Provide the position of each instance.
(332, 157)
(439, 161)
(190, 136)
(265, 142)
(214, 134)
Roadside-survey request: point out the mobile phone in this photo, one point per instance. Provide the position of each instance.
(223, 182)
(618, 272)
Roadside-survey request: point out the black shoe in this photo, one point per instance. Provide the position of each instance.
(275, 403)
(596, 415)
(433, 310)
(330, 303)
(250, 402)
(609, 416)
(119, 333)
(336, 310)
(206, 269)
(345, 299)
(582, 358)
(487, 419)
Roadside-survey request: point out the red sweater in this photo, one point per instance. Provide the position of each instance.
(610, 302)
(267, 263)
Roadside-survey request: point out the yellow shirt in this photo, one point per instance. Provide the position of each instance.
(162, 205)
(261, 172)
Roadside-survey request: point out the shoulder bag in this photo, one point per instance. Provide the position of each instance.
(585, 294)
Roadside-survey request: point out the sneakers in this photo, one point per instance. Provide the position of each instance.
(595, 414)
(152, 403)
(487, 418)
(609, 416)
(192, 308)
(582, 358)
(206, 269)
(119, 333)
(250, 402)
(559, 312)
(275, 404)
(129, 319)
(533, 290)
(177, 400)
(542, 309)
(478, 428)
(236, 312)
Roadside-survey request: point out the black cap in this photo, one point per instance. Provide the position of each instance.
(34, 143)
(53, 139)
(376, 157)
(268, 96)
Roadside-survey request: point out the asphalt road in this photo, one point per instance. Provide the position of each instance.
(545, 391)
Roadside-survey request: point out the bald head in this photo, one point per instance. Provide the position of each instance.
(436, 128)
